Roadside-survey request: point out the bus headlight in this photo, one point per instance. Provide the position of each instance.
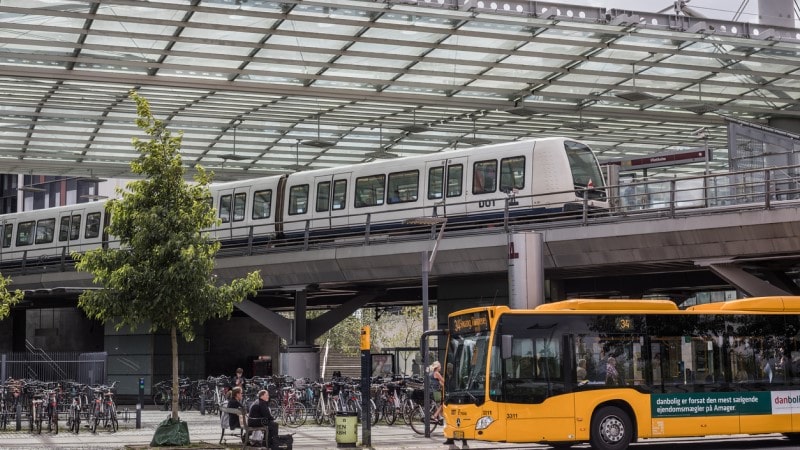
(483, 422)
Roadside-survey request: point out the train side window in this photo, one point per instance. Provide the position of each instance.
(225, 208)
(63, 229)
(298, 199)
(75, 227)
(369, 190)
(339, 194)
(512, 173)
(25, 233)
(262, 204)
(455, 180)
(435, 183)
(484, 177)
(45, 231)
(239, 206)
(92, 225)
(7, 233)
(403, 187)
(323, 196)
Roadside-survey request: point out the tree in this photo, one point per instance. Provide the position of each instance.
(161, 275)
(7, 299)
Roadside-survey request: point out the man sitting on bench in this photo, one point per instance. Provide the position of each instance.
(260, 416)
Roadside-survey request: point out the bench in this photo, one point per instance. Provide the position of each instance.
(247, 435)
(225, 424)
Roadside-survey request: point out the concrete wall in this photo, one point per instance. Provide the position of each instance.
(63, 330)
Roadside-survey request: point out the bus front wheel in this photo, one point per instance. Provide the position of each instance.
(612, 429)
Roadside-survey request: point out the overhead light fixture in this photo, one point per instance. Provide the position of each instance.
(318, 142)
(524, 111)
(92, 178)
(700, 107)
(414, 127)
(381, 153)
(297, 167)
(233, 156)
(31, 189)
(94, 196)
(580, 125)
(634, 95)
(474, 140)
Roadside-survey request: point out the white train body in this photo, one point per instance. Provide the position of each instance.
(543, 176)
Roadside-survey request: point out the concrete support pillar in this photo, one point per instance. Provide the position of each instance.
(300, 324)
(525, 270)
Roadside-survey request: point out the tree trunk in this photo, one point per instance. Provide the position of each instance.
(175, 389)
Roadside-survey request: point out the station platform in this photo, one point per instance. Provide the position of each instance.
(205, 430)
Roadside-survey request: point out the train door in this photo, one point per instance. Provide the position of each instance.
(7, 239)
(445, 191)
(224, 204)
(239, 228)
(330, 202)
(69, 230)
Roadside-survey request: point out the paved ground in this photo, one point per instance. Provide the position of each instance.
(206, 429)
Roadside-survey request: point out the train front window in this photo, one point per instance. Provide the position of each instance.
(585, 169)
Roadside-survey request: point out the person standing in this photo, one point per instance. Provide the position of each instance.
(238, 379)
(612, 374)
(437, 381)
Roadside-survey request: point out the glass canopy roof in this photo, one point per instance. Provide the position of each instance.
(261, 87)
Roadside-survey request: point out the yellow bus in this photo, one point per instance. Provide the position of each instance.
(610, 372)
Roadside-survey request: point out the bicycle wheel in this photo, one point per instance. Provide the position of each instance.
(389, 413)
(294, 415)
(159, 398)
(93, 422)
(418, 421)
(38, 424)
(408, 408)
(113, 420)
(374, 414)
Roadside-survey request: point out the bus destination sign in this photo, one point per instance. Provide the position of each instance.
(470, 323)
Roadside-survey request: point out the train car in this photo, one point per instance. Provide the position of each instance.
(47, 234)
(545, 176)
(539, 176)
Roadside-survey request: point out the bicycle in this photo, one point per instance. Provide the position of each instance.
(293, 411)
(104, 409)
(417, 420)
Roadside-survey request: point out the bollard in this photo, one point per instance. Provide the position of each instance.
(19, 416)
(202, 405)
(139, 404)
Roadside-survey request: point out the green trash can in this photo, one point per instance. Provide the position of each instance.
(346, 429)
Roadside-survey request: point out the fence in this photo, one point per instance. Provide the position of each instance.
(86, 368)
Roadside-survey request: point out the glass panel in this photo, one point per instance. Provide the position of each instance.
(239, 205)
(63, 229)
(92, 225)
(455, 180)
(25, 234)
(323, 196)
(369, 190)
(512, 173)
(262, 204)
(435, 182)
(298, 199)
(403, 187)
(75, 227)
(45, 231)
(225, 208)
(339, 194)
(585, 169)
(484, 177)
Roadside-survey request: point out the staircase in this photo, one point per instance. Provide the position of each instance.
(349, 366)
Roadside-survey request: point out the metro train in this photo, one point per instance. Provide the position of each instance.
(542, 176)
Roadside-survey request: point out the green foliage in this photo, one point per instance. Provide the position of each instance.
(162, 274)
(7, 299)
(387, 331)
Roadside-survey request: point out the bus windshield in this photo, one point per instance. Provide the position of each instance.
(467, 351)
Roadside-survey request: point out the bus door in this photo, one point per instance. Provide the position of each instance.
(6, 239)
(444, 187)
(69, 230)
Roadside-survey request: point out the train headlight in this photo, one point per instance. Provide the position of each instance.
(483, 422)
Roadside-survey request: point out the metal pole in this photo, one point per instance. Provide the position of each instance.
(426, 404)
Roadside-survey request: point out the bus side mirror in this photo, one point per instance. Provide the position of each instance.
(506, 346)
